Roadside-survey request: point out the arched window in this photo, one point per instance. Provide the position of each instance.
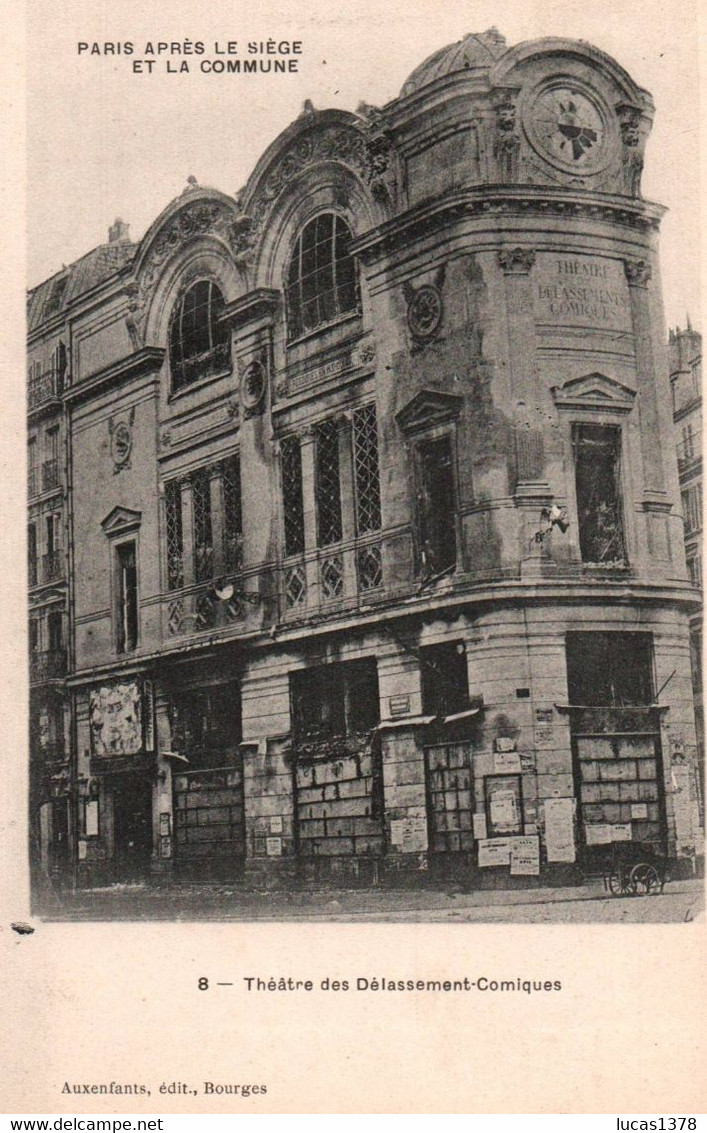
(321, 282)
(198, 342)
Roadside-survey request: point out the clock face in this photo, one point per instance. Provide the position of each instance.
(567, 127)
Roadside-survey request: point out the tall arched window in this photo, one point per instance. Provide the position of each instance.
(198, 342)
(321, 282)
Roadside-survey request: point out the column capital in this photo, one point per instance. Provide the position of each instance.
(516, 261)
(638, 272)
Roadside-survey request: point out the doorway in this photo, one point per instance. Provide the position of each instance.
(132, 826)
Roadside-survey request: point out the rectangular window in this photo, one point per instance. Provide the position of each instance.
(692, 508)
(445, 678)
(597, 472)
(328, 487)
(292, 502)
(206, 725)
(34, 635)
(32, 482)
(339, 699)
(504, 805)
(203, 533)
(610, 670)
(366, 470)
(126, 597)
(232, 513)
(694, 569)
(174, 534)
(32, 554)
(436, 506)
(55, 632)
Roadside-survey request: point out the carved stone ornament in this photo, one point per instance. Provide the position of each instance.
(632, 149)
(638, 272)
(425, 308)
(506, 142)
(516, 261)
(121, 440)
(254, 380)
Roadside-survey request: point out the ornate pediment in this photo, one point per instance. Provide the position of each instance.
(121, 520)
(428, 408)
(594, 391)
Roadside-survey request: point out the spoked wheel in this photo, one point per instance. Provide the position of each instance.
(645, 880)
(619, 884)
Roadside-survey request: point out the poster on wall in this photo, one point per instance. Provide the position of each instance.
(115, 713)
(559, 829)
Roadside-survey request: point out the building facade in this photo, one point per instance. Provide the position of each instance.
(685, 354)
(375, 564)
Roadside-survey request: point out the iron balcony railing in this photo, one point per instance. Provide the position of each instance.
(43, 388)
(47, 665)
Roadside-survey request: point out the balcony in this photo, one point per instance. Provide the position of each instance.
(52, 566)
(50, 475)
(47, 665)
(43, 389)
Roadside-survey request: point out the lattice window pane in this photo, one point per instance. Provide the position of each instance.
(232, 513)
(365, 450)
(295, 587)
(205, 610)
(293, 507)
(174, 535)
(175, 614)
(203, 534)
(370, 568)
(332, 576)
(329, 526)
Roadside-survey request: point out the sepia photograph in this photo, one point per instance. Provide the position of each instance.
(363, 511)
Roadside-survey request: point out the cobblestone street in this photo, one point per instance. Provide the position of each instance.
(681, 901)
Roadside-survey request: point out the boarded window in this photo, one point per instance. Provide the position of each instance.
(293, 507)
(331, 700)
(445, 679)
(436, 506)
(597, 468)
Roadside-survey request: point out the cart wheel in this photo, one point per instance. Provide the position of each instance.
(645, 880)
(617, 883)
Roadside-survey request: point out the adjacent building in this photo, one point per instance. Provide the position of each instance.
(685, 353)
(367, 508)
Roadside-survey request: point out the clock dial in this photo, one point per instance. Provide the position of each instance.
(567, 127)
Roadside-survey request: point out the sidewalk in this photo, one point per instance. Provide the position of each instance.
(680, 900)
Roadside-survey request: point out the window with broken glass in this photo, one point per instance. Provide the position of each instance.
(366, 470)
(174, 534)
(597, 452)
(203, 530)
(335, 700)
(444, 678)
(198, 341)
(232, 513)
(436, 500)
(206, 725)
(292, 502)
(321, 280)
(327, 483)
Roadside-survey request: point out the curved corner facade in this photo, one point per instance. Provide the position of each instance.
(371, 524)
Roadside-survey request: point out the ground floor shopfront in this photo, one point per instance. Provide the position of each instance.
(513, 743)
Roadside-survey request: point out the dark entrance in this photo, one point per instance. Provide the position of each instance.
(132, 826)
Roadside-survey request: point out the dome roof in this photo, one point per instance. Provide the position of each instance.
(478, 49)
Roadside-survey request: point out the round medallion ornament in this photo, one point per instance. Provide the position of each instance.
(425, 311)
(121, 443)
(253, 388)
(567, 127)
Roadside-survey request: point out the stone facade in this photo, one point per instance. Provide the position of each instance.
(376, 565)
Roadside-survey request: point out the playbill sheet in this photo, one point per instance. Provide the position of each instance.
(351, 444)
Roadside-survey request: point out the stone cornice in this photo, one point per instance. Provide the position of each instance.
(494, 201)
(148, 360)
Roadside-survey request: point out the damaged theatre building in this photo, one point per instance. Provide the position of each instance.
(356, 545)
